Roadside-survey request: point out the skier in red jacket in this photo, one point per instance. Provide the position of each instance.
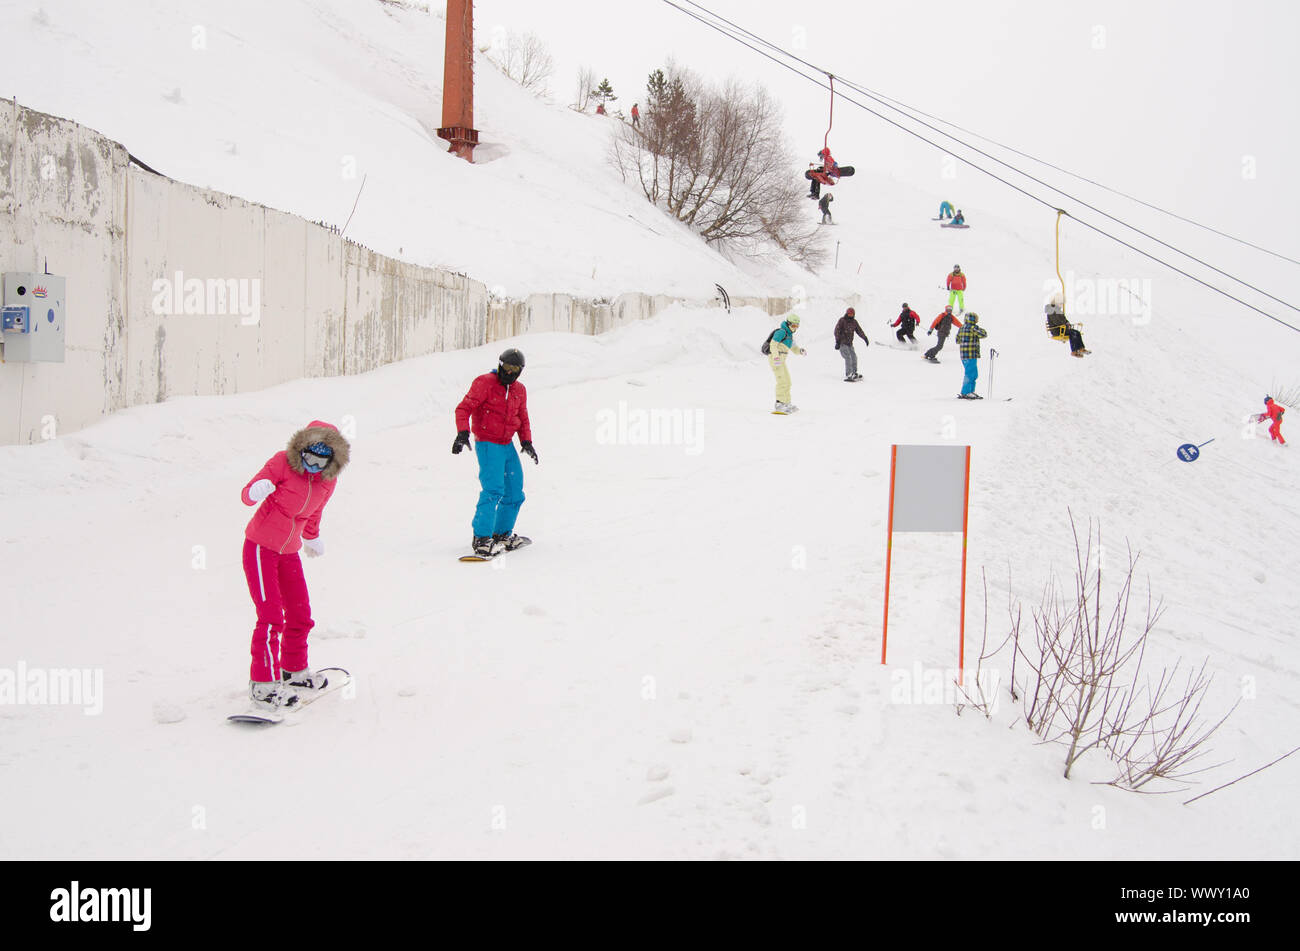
(1274, 412)
(292, 488)
(497, 404)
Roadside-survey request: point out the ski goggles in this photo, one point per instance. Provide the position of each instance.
(512, 368)
(314, 462)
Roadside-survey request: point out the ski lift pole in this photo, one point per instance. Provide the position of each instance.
(1059, 214)
(993, 355)
(826, 141)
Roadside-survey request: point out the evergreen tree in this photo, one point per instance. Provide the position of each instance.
(604, 92)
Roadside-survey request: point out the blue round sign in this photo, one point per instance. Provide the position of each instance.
(1188, 452)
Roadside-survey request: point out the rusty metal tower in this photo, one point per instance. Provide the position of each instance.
(458, 80)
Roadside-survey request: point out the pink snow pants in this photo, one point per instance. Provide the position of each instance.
(283, 611)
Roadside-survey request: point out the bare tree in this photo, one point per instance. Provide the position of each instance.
(586, 81)
(525, 59)
(715, 159)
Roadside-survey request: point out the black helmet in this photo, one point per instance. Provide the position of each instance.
(511, 365)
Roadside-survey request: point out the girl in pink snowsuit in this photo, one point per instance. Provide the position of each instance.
(292, 488)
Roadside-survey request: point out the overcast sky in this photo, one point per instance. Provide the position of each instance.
(1191, 105)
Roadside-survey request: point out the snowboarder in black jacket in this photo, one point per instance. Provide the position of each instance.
(845, 328)
(908, 319)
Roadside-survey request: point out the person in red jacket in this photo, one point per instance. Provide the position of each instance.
(908, 319)
(1273, 411)
(496, 407)
(957, 288)
(292, 488)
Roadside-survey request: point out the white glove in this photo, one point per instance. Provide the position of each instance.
(260, 489)
(314, 547)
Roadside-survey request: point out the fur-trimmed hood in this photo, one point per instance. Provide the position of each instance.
(318, 431)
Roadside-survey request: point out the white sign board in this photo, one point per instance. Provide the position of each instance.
(930, 488)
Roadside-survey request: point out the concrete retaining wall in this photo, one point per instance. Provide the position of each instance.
(176, 290)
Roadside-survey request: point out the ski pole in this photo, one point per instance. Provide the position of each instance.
(992, 356)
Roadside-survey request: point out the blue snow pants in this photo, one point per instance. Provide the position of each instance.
(502, 479)
(972, 365)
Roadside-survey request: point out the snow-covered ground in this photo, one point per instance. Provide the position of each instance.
(295, 103)
(686, 663)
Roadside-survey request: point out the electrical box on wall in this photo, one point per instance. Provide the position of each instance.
(32, 320)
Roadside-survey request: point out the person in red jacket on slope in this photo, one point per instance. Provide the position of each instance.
(956, 285)
(497, 405)
(292, 489)
(1273, 411)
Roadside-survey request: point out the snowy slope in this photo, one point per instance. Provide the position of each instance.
(293, 103)
(686, 663)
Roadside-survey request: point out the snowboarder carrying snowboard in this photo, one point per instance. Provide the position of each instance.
(1273, 411)
(781, 346)
(908, 320)
(968, 343)
(292, 488)
(957, 288)
(944, 324)
(496, 407)
(845, 328)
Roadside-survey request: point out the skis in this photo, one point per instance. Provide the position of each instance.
(523, 543)
(337, 678)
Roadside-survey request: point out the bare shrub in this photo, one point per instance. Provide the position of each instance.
(715, 159)
(1084, 684)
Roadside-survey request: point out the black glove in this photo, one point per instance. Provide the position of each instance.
(930, 331)
(528, 449)
(462, 440)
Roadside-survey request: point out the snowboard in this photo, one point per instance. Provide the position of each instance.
(337, 677)
(846, 171)
(954, 226)
(524, 543)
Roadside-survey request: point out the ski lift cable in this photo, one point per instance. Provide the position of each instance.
(902, 106)
(961, 158)
(856, 87)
